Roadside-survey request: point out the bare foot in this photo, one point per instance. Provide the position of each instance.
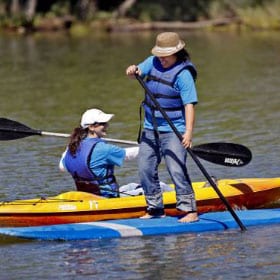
(189, 218)
(148, 216)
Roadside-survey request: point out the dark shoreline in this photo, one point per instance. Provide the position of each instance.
(130, 25)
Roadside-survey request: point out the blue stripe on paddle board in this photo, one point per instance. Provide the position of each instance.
(137, 227)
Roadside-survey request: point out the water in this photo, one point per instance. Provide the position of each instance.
(220, 255)
(47, 81)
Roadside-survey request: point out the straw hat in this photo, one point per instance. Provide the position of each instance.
(167, 43)
(93, 116)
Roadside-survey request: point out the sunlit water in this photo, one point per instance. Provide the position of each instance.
(47, 81)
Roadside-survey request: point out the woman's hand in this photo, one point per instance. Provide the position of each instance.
(132, 70)
(187, 139)
(189, 116)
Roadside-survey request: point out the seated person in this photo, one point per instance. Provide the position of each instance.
(91, 160)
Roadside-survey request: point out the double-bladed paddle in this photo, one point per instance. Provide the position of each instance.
(11, 130)
(191, 152)
(226, 154)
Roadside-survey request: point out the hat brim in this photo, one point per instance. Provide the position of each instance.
(102, 118)
(105, 118)
(161, 52)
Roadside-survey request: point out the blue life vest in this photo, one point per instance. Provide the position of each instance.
(84, 177)
(161, 85)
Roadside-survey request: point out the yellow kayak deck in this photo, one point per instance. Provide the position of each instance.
(74, 206)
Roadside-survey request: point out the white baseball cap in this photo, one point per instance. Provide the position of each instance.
(92, 116)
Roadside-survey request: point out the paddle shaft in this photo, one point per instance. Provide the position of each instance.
(196, 160)
(30, 132)
(128, 142)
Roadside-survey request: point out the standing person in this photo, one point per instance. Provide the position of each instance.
(170, 77)
(90, 160)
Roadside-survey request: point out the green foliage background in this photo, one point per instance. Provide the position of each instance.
(250, 11)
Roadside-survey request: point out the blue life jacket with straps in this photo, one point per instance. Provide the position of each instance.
(161, 85)
(85, 179)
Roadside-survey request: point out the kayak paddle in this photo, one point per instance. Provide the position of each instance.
(190, 151)
(226, 154)
(11, 130)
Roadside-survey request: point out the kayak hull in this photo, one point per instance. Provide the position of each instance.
(214, 221)
(73, 207)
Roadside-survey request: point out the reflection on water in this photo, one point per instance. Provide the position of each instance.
(191, 256)
(220, 255)
(48, 81)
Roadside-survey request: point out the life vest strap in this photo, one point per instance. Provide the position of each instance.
(153, 107)
(160, 95)
(154, 78)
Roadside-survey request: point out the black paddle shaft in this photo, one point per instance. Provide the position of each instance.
(196, 160)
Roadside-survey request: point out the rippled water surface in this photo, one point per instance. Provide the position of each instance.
(47, 81)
